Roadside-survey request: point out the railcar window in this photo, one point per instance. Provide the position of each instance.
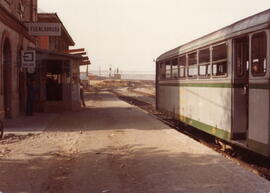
(168, 70)
(258, 47)
(182, 66)
(192, 65)
(241, 56)
(219, 57)
(174, 69)
(204, 62)
(162, 71)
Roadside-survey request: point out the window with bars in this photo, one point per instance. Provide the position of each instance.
(162, 71)
(204, 62)
(219, 57)
(182, 66)
(192, 70)
(175, 70)
(20, 9)
(241, 56)
(168, 70)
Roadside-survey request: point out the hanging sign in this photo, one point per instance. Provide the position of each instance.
(44, 29)
(28, 59)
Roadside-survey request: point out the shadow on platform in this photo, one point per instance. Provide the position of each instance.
(131, 168)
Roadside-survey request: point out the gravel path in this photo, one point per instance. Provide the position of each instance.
(114, 147)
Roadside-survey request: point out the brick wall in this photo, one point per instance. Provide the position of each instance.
(43, 42)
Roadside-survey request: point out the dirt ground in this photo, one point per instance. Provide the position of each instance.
(112, 146)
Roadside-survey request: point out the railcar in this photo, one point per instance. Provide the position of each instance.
(219, 83)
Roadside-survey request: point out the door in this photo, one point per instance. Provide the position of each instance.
(7, 77)
(22, 83)
(240, 88)
(22, 91)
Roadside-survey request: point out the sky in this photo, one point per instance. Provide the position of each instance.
(130, 34)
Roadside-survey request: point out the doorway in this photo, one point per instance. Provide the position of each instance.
(54, 80)
(7, 77)
(21, 84)
(240, 88)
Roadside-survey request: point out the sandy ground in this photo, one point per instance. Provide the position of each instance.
(114, 147)
(130, 93)
(148, 90)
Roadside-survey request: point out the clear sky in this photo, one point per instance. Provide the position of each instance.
(129, 34)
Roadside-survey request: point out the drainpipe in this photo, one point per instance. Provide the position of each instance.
(31, 10)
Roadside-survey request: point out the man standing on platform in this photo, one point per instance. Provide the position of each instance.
(82, 94)
(30, 97)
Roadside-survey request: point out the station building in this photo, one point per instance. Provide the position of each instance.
(56, 73)
(14, 37)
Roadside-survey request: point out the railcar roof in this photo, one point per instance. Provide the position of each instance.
(255, 22)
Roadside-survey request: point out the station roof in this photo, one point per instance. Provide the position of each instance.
(53, 18)
(58, 54)
(252, 23)
(80, 52)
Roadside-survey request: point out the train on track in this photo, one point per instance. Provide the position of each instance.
(220, 83)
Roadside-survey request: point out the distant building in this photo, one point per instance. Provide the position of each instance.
(92, 77)
(117, 76)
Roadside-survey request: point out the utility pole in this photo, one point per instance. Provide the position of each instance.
(87, 70)
(99, 72)
(110, 74)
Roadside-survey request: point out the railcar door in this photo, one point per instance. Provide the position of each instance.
(240, 88)
(258, 126)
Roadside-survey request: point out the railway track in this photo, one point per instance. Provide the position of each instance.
(251, 161)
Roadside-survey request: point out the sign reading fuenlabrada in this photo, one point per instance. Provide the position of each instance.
(44, 29)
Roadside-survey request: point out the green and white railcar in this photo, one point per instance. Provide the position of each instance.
(219, 83)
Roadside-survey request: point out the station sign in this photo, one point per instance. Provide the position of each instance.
(28, 59)
(44, 29)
